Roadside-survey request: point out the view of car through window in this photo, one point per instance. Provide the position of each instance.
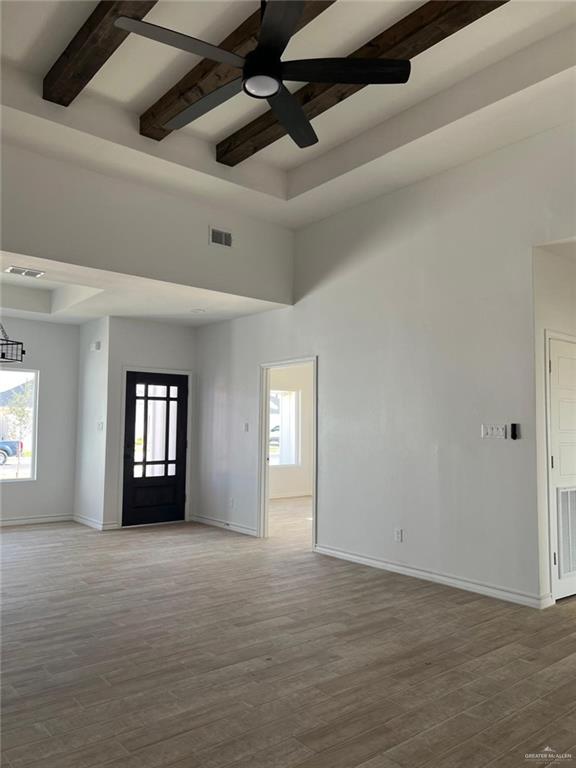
(17, 424)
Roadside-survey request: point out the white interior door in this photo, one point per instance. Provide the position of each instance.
(562, 441)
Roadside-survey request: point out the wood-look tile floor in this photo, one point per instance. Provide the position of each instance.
(192, 647)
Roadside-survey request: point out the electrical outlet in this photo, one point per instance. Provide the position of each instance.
(231, 503)
(493, 431)
(398, 535)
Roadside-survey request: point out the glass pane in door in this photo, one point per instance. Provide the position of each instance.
(139, 432)
(172, 427)
(156, 432)
(155, 470)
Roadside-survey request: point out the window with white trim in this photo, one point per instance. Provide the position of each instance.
(18, 406)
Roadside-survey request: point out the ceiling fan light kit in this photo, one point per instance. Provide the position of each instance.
(261, 86)
(261, 75)
(263, 72)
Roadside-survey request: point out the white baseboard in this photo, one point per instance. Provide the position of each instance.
(490, 590)
(224, 524)
(97, 524)
(34, 520)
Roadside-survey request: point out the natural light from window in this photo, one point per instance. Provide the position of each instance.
(17, 424)
(283, 446)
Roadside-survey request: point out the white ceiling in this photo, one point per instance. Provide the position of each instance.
(74, 294)
(371, 143)
(35, 33)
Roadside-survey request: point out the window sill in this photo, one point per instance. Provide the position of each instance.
(17, 480)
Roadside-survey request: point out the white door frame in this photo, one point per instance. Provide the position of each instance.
(262, 528)
(122, 426)
(551, 494)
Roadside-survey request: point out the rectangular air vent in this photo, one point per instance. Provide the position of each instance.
(567, 530)
(220, 237)
(24, 271)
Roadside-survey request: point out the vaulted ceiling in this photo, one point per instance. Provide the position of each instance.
(469, 58)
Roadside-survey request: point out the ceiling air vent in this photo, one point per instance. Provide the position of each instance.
(24, 271)
(220, 237)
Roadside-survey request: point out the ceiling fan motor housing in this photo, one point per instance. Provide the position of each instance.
(262, 74)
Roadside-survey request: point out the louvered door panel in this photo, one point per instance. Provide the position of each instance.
(567, 530)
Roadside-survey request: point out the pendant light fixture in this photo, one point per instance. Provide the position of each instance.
(10, 351)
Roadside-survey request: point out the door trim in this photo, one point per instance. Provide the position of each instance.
(262, 523)
(120, 439)
(551, 491)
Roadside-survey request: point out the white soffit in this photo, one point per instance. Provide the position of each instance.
(75, 294)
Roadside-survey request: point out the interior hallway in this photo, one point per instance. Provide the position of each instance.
(188, 646)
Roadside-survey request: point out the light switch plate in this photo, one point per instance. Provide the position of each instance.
(494, 431)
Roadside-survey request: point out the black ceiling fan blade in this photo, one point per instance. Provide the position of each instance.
(291, 115)
(364, 71)
(204, 105)
(178, 40)
(279, 22)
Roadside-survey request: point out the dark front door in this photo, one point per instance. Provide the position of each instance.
(155, 448)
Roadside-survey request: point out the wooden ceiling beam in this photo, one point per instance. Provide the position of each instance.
(208, 75)
(426, 26)
(90, 49)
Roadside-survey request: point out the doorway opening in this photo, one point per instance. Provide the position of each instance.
(561, 407)
(288, 453)
(155, 446)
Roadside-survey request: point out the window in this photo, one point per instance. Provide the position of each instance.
(18, 397)
(284, 441)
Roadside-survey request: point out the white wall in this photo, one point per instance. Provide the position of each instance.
(139, 344)
(87, 218)
(127, 344)
(295, 480)
(554, 310)
(92, 412)
(53, 350)
(420, 308)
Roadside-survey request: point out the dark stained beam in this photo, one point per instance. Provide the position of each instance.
(90, 49)
(426, 26)
(207, 75)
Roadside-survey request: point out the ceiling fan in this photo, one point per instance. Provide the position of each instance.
(263, 72)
